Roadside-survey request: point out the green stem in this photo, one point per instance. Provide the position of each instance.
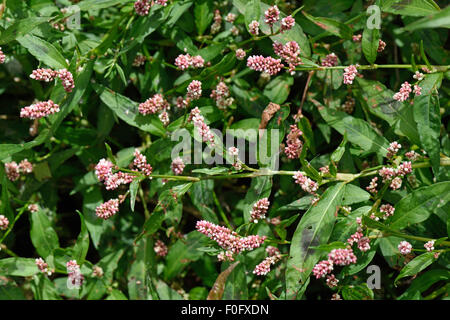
(373, 67)
(222, 213)
(22, 210)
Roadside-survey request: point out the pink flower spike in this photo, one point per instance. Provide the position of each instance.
(272, 15)
(107, 209)
(39, 110)
(287, 23)
(404, 247)
(259, 210)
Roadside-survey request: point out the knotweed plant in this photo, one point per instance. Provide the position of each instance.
(233, 149)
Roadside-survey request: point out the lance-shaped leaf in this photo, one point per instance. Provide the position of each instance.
(44, 51)
(359, 132)
(314, 229)
(21, 267)
(416, 265)
(127, 110)
(43, 236)
(21, 27)
(428, 118)
(81, 247)
(369, 43)
(332, 26)
(216, 292)
(419, 205)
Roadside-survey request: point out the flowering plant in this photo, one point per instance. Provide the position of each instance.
(194, 149)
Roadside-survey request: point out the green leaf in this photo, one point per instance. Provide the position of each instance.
(440, 19)
(236, 284)
(44, 51)
(127, 110)
(11, 292)
(252, 11)
(183, 253)
(134, 186)
(141, 267)
(81, 247)
(21, 27)
(203, 14)
(43, 236)
(216, 292)
(359, 132)
(419, 205)
(358, 292)
(428, 118)
(416, 265)
(278, 89)
(314, 229)
(425, 280)
(354, 194)
(416, 8)
(369, 43)
(21, 267)
(92, 198)
(332, 26)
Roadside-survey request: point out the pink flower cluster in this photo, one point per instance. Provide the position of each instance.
(43, 266)
(293, 142)
(74, 273)
(107, 209)
(259, 210)
(429, 245)
(271, 15)
(154, 104)
(330, 60)
(177, 166)
(290, 52)
(404, 247)
(33, 207)
(253, 27)
(372, 187)
(322, 268)
(350, 73)
(306, 183)
(43, 74)
(2, 56)
(412, 155)
(339, 257)
(229, 240)
(264, 267)
(234, 153)
(47, 75)
(184, 61)
(404, 92)
(140, 162)
(342, 257)
(221, 96)
(357, 37)
(393, 148)
(142, 7)
(139, 60)
(160, 248)
(240, 54)
(199, 122)
(39, 110)
(13, 170)
(381, 45)
(215, 27)
(388, 210)
(4, 222)
(194, 90)
(287, 23)
(268, 65)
